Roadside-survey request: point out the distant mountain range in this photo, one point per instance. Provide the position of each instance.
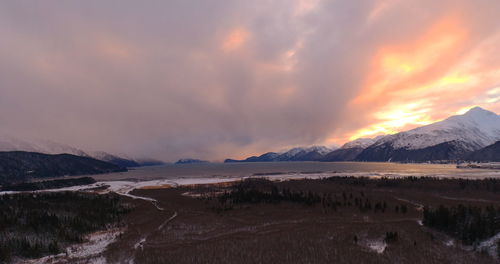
(122, 162)
(451, 139)
(9, 143)
(191, 161)
(472, 136)
(18, 166)
(295, 154)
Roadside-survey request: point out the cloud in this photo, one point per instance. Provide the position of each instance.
(216, 79)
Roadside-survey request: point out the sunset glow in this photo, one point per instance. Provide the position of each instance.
(409, 81)
(232, 79)
(234, 40)
(224, 131)
(396, 119)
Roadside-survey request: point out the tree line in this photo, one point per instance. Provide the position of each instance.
(487, 184)
(470, 224)
(36, 224)
(50, 184)
(254, 191)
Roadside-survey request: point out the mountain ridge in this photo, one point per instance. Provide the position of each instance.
(10, 143)
(294, 154)
(458, 135)
(489, 153)
(453, 138)
(18, 166)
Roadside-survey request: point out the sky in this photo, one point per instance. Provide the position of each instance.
(218, 79)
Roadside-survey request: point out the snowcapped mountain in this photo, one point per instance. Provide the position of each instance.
(452, 138)
(476, 129)
(121, 161)
(10, 143)
(20, 166)
(361, 142)
(350, 150)
(296, 151)
(313, 153)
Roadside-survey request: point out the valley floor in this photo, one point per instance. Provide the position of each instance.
(191, 230)
(188, 224)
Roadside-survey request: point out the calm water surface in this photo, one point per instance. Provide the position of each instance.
(297, 169)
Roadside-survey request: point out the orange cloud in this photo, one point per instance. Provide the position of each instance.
(406, 66)
(113, 48)
(402, 74)
(234, 40)
(393, 120)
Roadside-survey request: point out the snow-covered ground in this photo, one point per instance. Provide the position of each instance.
(376, 245)
(450, 243)
(490, 246)
(96, 244)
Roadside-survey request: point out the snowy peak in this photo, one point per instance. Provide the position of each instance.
(475, 129)
(313, 153)
(361, 143)
(478, 112)
(320, 149)
(451, 139)
(10, 143)
(294, 151)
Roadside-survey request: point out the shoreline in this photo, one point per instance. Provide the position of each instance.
(125, 186)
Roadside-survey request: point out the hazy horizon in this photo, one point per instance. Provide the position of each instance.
(218, 79)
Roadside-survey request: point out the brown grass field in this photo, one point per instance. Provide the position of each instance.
(190, 230)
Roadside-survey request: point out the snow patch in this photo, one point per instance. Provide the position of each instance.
(140, 244)
(89, 251)
(96, 244)
(490, 246)
(450, 243)
(376, 245)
